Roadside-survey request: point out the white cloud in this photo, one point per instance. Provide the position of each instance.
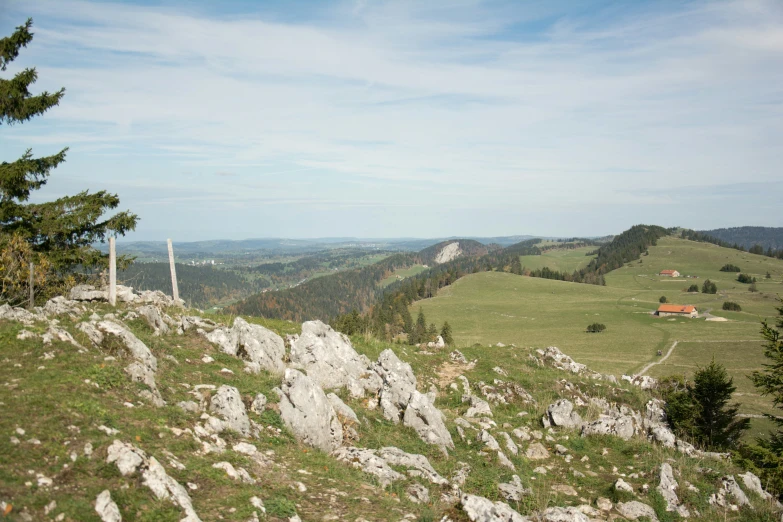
(399, 100)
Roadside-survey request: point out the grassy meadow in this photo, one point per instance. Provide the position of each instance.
(403, 273)
(491, 307)
(560, 259)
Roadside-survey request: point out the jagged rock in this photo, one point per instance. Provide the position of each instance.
(514, 490)
(59, 305)
(235, 474)
(522, 433)
(166, 488)
(622, 426)
(368, 461)
(645, 382)
(478, 408)
(342, 409)
(561, 360)
(138, 349)
(106, 508)
(457, 357)
(480, 509)
(418, 494)
(158, 298)
(19, 315)
(509, 443)
(537, 451)
(488, 440)
(227, 403)
(331, 361)
(88, 293)
(188, 322)
(505, 461)
(667, 488)
(307, 412)
(604, 504)
(142, 373)
(621, 485)
(561, 414)
(153, 318)
(634, 510)
(251, 342)
(729, 486)
(753, 483)
(125, 294)
(398, 384)
(23, 335)
(565, 489)
(427, 420)
(259, 402)
(189, 406)
(414, 462)
(663, 436)
(563, 514)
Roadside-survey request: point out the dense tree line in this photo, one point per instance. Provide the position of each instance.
(753, 249)
(765, 238)
(728, 267)
(199, 286)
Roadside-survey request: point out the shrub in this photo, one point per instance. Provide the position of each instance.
(709, 287)
(746, 278)
(732, 306)
(728, 267)
(752, 287)
(596, 328)
(693, 288)
(663, 299)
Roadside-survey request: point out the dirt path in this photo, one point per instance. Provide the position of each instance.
(643, 370)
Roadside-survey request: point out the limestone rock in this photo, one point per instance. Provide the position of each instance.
(427, 420)
(342, 409)
(537, 451)
(634, 510)
(154, 318)
(667, 487)
(138, 349)
(59, 305)
(480, 509)
(414, 462)
(514, 490)
(563, 514)
(509, 443)
(478, 408)
(259, 402)
(252, 343)
(227, 403)
(418, 494)
(621, 485)
(87, 293)
(368, 461)
(562, 361)
(753, 483)
(307, 412)
(398, 384)
(561, 414)
(106, 508)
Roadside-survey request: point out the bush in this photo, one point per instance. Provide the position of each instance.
(746, 278)
(728, 267)
(596, 328)
(693, 288)
(752, 287)
(709, 287)
(663, 299)
(732, 307)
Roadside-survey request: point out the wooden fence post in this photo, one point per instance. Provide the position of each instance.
(112, 272)
(174, 289)
(32, 285)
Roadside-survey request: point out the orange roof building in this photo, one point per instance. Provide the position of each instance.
(669, 273)
(675, 309)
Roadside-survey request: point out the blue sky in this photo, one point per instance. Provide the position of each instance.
(380, 119)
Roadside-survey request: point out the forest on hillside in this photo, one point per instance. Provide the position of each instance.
(748, 237)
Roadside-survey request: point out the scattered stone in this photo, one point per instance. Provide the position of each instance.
(565, 489)
(537, 451)
(259, 402)
(561, 414)
(233, 473)
(604, 504)
(622, 485)
(418, 494)
(514, 490)
(564, 514)
(634, 510)
(480, 509)
(106, 508)
(753, 483)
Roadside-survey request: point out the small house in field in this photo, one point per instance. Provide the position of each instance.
(669, 273)
(677, 310)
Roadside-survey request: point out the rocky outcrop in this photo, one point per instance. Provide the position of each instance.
(561, 414)
(87, 293)
(378, 463)
(398, 385)
(331, 361)
(307, 412)
(635, 510)
(561, 361)
(729, 488)
(753, 483)
(106, 508)
(427, 420)
(667, 487)
(137, 349)
(480, 509)
(260, 347)
(154, 319)
(448, 253)
(227, 403)
(514, 490)
(130, 460)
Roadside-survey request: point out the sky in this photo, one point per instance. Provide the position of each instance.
(248, 119)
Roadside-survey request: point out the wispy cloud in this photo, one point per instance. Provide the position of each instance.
(532, 106)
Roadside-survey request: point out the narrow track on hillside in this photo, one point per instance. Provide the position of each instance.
(643, 370)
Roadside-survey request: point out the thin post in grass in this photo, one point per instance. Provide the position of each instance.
(174, 289)
(32, 283)
(112, 271)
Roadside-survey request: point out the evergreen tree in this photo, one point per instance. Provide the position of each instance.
(709, 287)
(770, 380)
(516, 266)
(419, 333)
(663, 299)
(432, 332)
(716, 424)
(445, 332)
(60, 233)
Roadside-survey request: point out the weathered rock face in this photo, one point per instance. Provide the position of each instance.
(398, 384)
(331, 361)
(514, 490)
(138, 349)
(251, 342)
(130, 460)
(561, 414)
(643, 381)
(448, 253)
(753, 483)
(729, 487)
(87, 293)
(563, 514)
(154, 318)
(227, 403)
(634, 510)
(307, 412)
(561, 361)
(668, 489)
(378, 463)
(480, 509)
(106, 508)
(427, 420)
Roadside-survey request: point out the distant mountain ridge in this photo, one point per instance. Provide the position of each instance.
(747, 237)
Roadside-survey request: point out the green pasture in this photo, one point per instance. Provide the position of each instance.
(560, 259)
(405, 272)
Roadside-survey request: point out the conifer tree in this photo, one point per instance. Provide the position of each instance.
(446, 334)
(770, 380)
(60, 233)
(716, 424)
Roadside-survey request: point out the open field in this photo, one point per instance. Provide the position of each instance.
(403, 273)
(492, 307)
(561, 259)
